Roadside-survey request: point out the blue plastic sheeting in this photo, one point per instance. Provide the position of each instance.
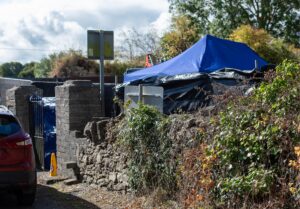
(49, 129)
(209, 54)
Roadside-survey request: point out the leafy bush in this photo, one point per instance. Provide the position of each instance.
(144, 134)
(73, 64)
(28, 71)
(272, 49)
(181, 36)
(254, 153)
(10, 69)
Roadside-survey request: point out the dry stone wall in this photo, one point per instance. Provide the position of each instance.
(88, 139)
(104, 163)
(101, 161)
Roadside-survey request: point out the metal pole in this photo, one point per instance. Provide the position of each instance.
(101, 72)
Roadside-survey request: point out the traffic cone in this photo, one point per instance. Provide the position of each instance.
(53, 165)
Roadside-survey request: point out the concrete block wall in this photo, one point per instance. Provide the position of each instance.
(77, 102)
(17, 101)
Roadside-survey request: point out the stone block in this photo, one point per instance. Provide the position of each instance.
(113, 177)
(70, 165)
(90, 131)
(101, 129)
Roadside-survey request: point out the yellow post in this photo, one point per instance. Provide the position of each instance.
(53, 165)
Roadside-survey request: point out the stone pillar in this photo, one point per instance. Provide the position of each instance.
(77, 102)
(17, 101)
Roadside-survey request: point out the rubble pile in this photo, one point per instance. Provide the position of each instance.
(101, 163)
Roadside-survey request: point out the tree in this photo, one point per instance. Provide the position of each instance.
(10, 69)
(43, 68)
(220, 17)
(181, 36)
(272, 49)
(28, 71)
(137, 44)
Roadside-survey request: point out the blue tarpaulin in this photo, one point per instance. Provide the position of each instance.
(49, 129)
(208, 55)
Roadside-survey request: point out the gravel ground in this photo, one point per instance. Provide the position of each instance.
(79, 196)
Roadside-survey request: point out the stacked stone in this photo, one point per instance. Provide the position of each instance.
(77, 102)
(101, 163)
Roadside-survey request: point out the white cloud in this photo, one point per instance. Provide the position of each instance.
(162, 23)
(61, 24)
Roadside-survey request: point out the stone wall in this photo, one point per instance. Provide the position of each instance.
(101, 161)
(8, 83)
(77, 102)
(17, 101)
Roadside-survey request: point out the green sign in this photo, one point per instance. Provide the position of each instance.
(95, 44)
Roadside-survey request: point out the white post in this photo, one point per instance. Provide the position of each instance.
(141, 93)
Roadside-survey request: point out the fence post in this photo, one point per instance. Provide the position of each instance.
(141, 93)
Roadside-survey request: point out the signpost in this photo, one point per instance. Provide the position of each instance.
(100, 46)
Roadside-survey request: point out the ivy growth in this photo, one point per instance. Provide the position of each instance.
(252, 160)
(144, 134)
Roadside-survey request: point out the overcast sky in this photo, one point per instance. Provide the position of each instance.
(31, 29)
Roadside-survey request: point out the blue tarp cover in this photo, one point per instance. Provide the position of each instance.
(49, 129)
(209, 54)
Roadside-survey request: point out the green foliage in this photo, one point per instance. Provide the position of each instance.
(258, 181)
(250, 152)
(144, 134)
(43, 68)
(10, 69)
(220, 17)
(181, 37)
(255, 138)
(272, 49)
(274, 94)
(28, 71)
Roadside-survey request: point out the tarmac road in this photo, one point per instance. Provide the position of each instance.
(48, 198)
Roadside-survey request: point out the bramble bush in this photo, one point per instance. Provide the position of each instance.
(247, 156)
(144, 135)
(255, 149)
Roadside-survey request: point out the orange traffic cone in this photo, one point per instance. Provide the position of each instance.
(53, 165)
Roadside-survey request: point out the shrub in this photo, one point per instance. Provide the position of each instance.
(255, 150)
(73, 64)
(272, 49)
(144, 134)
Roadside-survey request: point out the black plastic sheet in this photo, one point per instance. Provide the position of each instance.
(189, 92)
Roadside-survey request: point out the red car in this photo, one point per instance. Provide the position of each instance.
(17, 162)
